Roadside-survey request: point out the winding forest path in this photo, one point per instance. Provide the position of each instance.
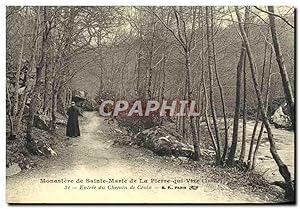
(92, 156)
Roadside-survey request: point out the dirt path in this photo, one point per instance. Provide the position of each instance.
(92, 156)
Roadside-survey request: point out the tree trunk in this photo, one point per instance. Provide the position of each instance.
(184, 126)
(150, 67)
(138, 69)
(15, 95)
(257, 111)
(189, 95)
(221, 92)
(235, 131)
(289, 96)
(53, 105)
(243, 148)
(206, 119)
(36, 89)
(211, 91)
(266, 106)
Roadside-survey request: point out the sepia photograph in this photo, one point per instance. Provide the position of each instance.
(150, 104)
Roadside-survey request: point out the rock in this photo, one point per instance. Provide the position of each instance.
(60, 119)
(79, 97)
(163, 142)
(41, 122)
(13, 169)
(38, 147)
(79, 94)
(89, 105)
(280, 118)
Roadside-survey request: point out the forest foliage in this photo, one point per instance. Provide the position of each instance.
(234, 61)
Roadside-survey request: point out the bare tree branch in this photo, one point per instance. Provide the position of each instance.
(276, 15)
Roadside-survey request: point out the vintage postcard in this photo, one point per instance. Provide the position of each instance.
(150, 104)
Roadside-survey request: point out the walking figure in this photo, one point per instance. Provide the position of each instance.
(73, 124)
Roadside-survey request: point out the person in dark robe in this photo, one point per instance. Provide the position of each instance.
(73, 124)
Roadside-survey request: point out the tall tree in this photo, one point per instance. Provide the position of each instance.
(244, 136)
(211, 80)
(186, 41)
(267, 43)
(15, 113)
(284, 75)
(40, 65)
(235, 130)
(262, 125)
